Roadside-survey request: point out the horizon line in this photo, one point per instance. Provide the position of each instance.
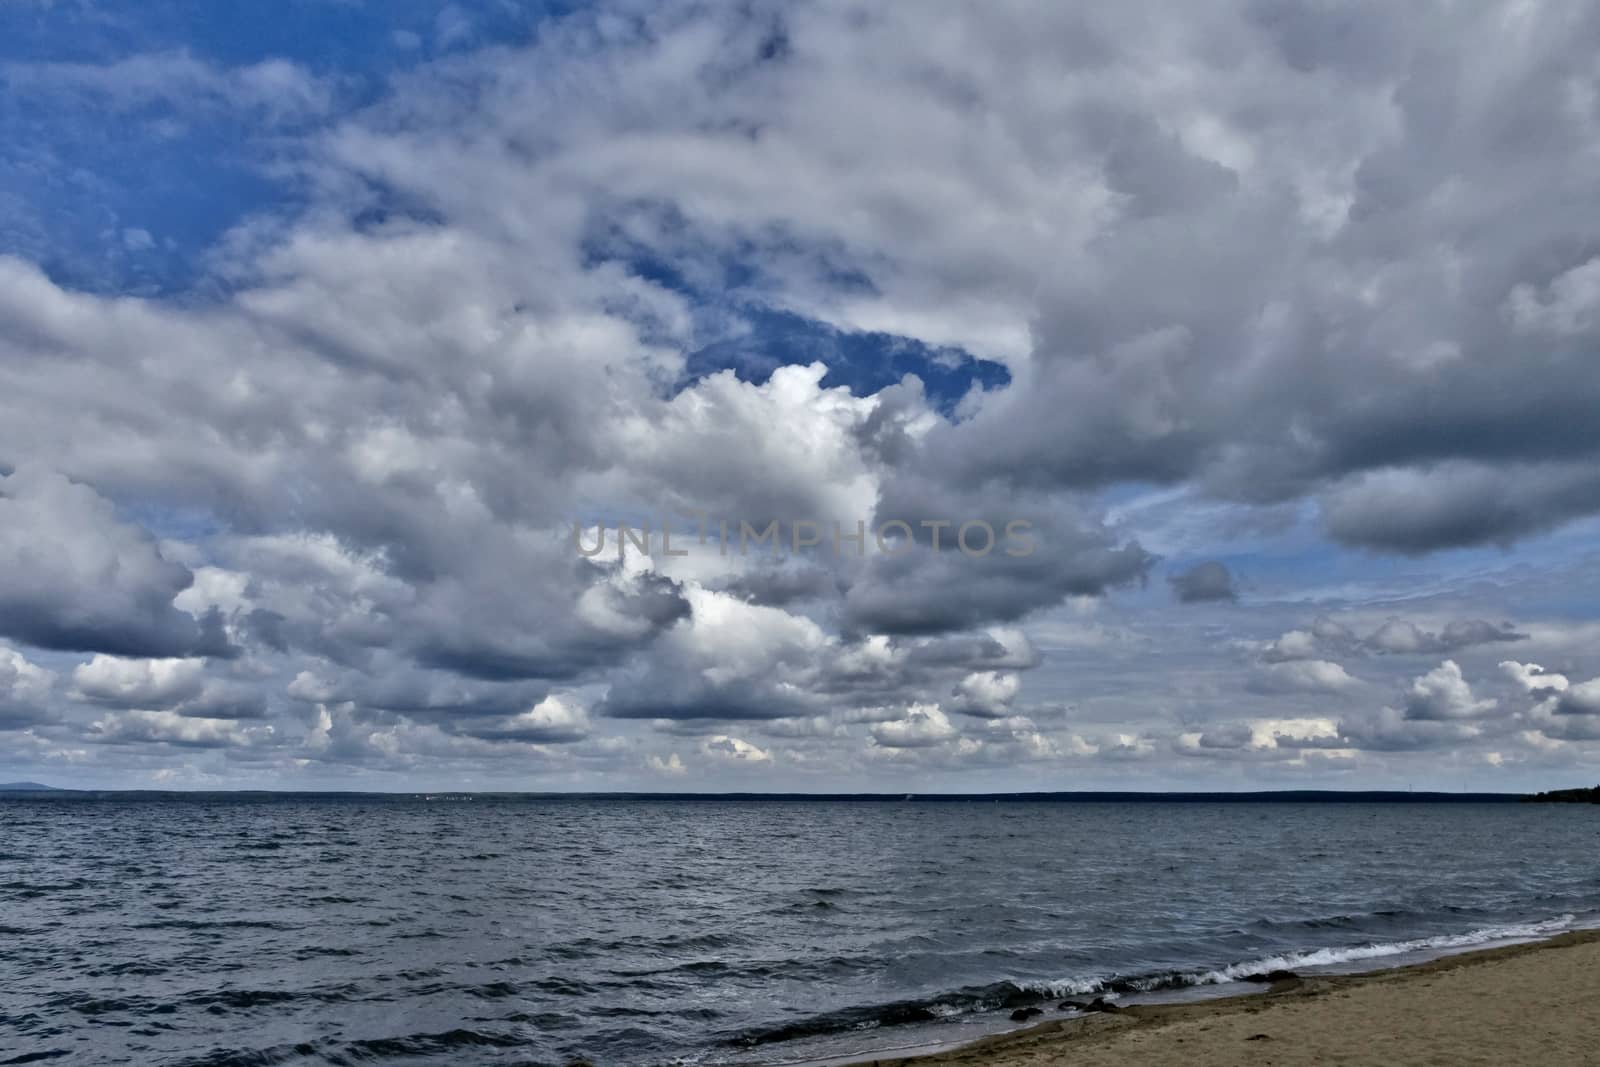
(889, 796)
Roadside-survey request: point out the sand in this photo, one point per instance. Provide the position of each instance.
(1533, 1004)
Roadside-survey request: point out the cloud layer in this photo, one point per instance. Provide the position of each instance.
(1291, 308)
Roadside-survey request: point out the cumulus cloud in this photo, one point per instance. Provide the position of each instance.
(1303, 675)
(1438, 710)
(1534, 678)
(170, 728)
(986, 694)
(1443, 694)
(1564, 711)
(1394, 730)
(554, 720)
(733, 750)
(24, 690)
(74, 577)
(1581, 699)
(135, 683)
(920, 726)
(729, 660)
(1290, 646)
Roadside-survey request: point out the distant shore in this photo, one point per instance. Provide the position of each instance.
(1526, 1003)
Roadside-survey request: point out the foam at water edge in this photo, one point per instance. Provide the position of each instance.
(1320, 957)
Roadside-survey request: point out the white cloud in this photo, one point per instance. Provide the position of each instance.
(920, 726)
(167, 727)
(733, 750)
(987, 694)
(1534, 678)
(25, 689)
(139, 683)
(671, 765)
(1443, 694)
(1304, 675)
(1569, 306)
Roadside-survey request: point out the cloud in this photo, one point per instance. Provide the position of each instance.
(733, 750)
(1290, 646)
(1203, 582)
(24, 690)
(1302, 675)
(928, 591)
(131, 683)
(1581, 699)
(671, 765)
(274, 89)
(1458, 503)
(553, 720)
(1438, 710)
(730, 660)
(1443, 694)
(1400, 636)
(985, 694)
(921, 726)
(1568, 306)
(170, 728)
(1534, 678)
(74, 577)
(1565, 711)
(1395, 636)
(314, 511)
(787, 449)
(1394, 730)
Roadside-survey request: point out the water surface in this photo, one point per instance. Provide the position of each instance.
(247, 930)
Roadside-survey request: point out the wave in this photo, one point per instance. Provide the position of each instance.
(1333, 957)
(451, 1043)
(1316, 957)
(1025, 992)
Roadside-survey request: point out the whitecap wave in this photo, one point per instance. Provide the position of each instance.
(1301, 960)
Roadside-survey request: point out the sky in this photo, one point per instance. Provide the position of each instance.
(1261, 337)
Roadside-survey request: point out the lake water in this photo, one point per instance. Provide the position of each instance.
(320, 930)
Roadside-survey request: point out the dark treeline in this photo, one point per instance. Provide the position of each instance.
(1568, 796)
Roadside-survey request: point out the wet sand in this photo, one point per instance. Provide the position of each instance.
(1519, 1004)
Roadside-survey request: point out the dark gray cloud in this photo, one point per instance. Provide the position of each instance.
(780, 585)
(521, 631)
(1402, 636)
(1000, 556)
(1204, 582)
(1233, 736)
(74, 577)
(929, 592)
(1452, 505)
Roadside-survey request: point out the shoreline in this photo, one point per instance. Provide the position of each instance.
(1524, 1001)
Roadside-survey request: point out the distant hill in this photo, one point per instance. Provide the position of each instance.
(1567, 796)
(26, 787)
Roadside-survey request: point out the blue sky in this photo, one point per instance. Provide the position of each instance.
(87, 166)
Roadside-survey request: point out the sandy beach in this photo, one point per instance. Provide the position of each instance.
(1519, 1004)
